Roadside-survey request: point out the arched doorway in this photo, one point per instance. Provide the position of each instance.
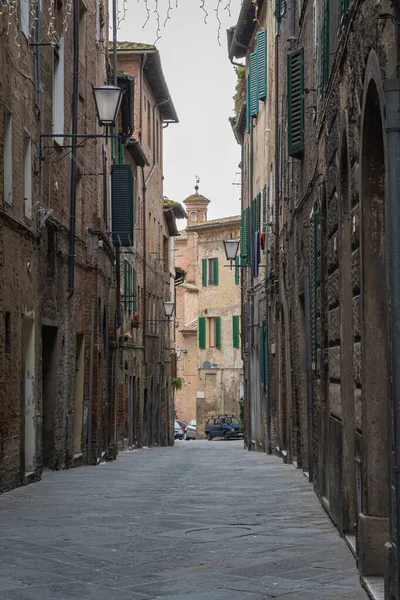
(374, 487)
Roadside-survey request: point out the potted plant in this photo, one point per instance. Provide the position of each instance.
(177, 383)
(135, 321)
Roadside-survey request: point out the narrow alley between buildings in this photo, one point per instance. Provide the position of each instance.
(200, 520)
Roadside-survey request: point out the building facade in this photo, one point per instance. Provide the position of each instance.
(147, 265)
(317, 135)
(208, 318)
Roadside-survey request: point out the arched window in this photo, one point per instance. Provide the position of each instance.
(193, 217)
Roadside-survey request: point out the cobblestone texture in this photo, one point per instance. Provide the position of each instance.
(200, 520)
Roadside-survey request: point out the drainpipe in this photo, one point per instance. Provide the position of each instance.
(392, 94)
(250, 294)
(74, 131)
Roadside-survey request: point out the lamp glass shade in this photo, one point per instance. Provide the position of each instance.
(108, 100)
(178, 352)
(231, 249)
(169, 308)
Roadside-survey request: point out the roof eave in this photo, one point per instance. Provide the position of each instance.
(243, 32)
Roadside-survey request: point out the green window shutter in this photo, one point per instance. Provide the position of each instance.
(248, 237)
(262, 63)
(204, 272)
(343, 8)
(218, 332)
(134, 290)
(295, 67)
(253, 84)
(248, 102)
(202, 332)
(244, 238)
(120, 152)
(235, 331)
(126, 285)
(258, 212)
(129, 285)
(262, 355)
(264, 228)
(254, 218)
(325, 45)
(237, 271)
(122, 205)
(216, 278)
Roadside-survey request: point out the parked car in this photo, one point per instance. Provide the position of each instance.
(183, 426)
(225, 426)
(191, 430)
(178, 433)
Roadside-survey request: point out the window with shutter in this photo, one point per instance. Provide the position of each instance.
(204, 272)
(218, 332)
(235, 331)
(237, 271)
(122, 205)
(244, 238)
(325, 46)
(248, 236)
(262, 355)
(202, 332)
(134, 290)
(126, 285)
(295, 66)
(253, 84)
(264, 227)
(248, 107)
(262, 63)
(215, 271)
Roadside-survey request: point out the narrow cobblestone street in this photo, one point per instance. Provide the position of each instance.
(200, 520)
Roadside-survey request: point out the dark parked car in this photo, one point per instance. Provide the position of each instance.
(178, 433)
(225, 426)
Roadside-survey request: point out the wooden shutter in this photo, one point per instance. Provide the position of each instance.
(295, 67)
(243, 238)
(216, 278)
(253, 84)
(248, 237)
(204, 272)
(202, 332)
(218, 332)
(134, 290)
(248, 102)
(122, 205)
(262, 355)
(126, 285)
(325, 45)
(258, 208)
(237, 271)
(262, 63)
(235, 331)
(264, 209)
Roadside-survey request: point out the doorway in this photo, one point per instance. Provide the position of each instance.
(79, 391)
(49, 391)
(29, 408)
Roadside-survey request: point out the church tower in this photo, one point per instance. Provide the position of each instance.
(196, 207)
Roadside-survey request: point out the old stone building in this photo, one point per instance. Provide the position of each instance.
(147, 267)
(56, 255)
(208, 317)
(316, 123)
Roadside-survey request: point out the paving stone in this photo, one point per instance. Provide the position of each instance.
(199, 520)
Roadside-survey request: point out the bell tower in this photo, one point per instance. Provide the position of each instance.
(196, 206)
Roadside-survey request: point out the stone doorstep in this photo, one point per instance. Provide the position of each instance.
(351, 542)
(375, 587)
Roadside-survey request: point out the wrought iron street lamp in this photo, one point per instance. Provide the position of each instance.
(107, 99)
(169, 308)
(231, 249)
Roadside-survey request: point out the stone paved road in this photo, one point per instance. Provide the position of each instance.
(202, 520)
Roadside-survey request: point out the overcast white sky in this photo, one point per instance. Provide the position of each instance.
(202, 83)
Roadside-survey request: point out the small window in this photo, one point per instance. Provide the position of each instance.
(27, 176)
(7, 328)
(211, 332)
(193, 217)
(25, 11)
(7, 158)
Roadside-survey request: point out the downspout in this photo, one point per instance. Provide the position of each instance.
(307, 306)
(74, 131)
(251, 293)
(392, 97)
